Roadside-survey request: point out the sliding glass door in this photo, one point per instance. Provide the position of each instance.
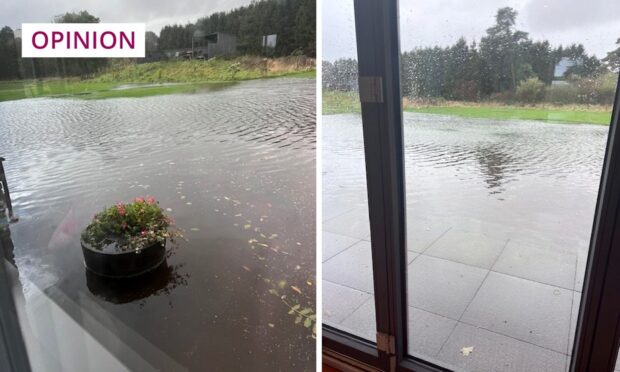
(488, 139)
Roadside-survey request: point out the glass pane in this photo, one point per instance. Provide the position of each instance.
(506, 114)
(347, 261)
(232, 163)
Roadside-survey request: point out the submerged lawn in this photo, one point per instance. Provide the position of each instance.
(158, 78)
(339, 103)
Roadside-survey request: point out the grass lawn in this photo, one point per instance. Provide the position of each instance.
(157, 78)
(338, 102)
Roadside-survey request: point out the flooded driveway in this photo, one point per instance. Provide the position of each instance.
(235, 168)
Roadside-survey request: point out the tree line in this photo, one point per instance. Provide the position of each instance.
(504, 64)
(293, 21)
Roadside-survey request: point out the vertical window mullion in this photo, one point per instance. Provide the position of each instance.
(378, 49)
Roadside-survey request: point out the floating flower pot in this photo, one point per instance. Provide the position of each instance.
(123, 264)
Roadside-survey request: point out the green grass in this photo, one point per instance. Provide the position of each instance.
(187, 76)
(339, 102)
(520, 113)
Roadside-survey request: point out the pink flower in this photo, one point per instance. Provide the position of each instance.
(143, 233)
(151, 200)
(139, 200)
(121, 208)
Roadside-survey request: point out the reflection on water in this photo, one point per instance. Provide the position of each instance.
(160, 281)
(235, 169)
(529, 176)
(493, 163)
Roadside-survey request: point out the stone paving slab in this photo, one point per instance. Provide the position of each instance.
(573, 321)
(472, 249)
(421, 235)
(340, 301)
(526, 310)
(442, 287)
(494, 352)
(538, 264)
(354, 223)
(351, 267)
(427, 331)
(582, 260)
(335, 243)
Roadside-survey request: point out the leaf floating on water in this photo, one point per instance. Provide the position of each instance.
(271, 325)
(263, 245)
(238, 215)
(298, 243)
(309, 282)
(296, 289)
(273, 292)
(194, 229)
(307, 322)
(246, 268)
(247, 226)
(282, 284)
(168, 209)
(467, 350)
(182, 197)
(263, 235)
(298, 319)
(189, 203)
(306, 311)
(273, 236)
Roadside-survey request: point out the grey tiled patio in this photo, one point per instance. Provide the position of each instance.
(514, 299)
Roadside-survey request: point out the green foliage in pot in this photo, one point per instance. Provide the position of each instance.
(130, 226)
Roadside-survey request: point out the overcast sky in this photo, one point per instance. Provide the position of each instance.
(155, 13)
(593, 23)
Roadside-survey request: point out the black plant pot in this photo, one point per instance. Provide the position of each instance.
(123, 264)
(135, 288)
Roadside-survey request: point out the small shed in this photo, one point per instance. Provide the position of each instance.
(220, 44)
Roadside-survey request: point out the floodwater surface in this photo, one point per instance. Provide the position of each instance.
(521, 175)
(234, 167)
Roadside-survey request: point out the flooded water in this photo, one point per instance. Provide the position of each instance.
(527, 177)
(234, 167)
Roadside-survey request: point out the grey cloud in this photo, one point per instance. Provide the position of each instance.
(155, 13)
(442, 22)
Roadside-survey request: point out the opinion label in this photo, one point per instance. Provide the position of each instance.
(83, 40)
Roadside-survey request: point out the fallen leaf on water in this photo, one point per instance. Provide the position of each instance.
(169, 209)
(189, 203)
(246, 268)
(271, 325)
(296, 289)
(182, 197)
(194, 229)
(467, 350)
(247, 226)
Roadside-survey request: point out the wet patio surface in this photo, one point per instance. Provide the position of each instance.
(497, 266)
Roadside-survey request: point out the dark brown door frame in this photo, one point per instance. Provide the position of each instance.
(598, 327)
